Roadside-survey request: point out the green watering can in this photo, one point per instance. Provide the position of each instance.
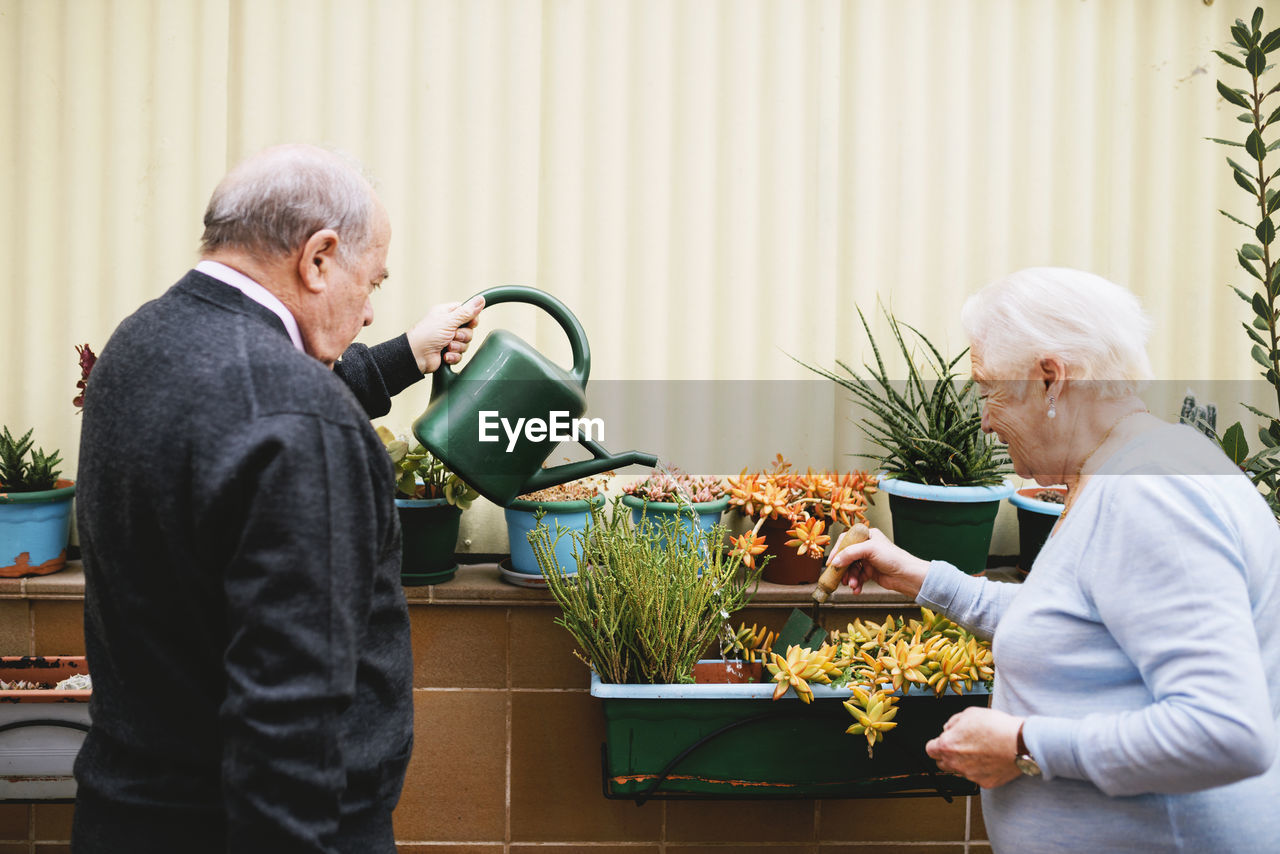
(495, 422)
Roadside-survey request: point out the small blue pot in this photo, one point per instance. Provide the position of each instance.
(705, 514)
(561, 516)
(34, 527)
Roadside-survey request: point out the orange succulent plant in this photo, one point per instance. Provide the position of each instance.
(809, 501)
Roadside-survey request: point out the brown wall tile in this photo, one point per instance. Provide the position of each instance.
(52, 849)
(14, 821)
(59, 627)
(890, 848)
(456, 785)
(542, 652)
(517, 848)
(53, 821)
(743, 849)
(977, 826)
(410, 848)
(459, 647)
(740, 821)
(893, 819)
(556, 776)
(15, 627)
(15, 848)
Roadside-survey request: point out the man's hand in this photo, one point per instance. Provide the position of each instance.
(445, 329)
(980, 745)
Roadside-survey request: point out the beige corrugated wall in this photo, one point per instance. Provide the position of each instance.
(709, 185)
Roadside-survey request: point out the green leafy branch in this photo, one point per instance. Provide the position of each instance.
(1260, 260)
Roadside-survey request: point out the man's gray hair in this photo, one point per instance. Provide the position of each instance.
(1096, 327)
(272, 202)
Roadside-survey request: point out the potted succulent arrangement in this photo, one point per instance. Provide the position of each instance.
(44, 714)
(695, 500)
(429, 500)
(945, 478)
(792, 514)
(1039, 508)
(35, 501)
(566, 508)
(644, 610)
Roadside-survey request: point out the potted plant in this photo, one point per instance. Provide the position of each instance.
(791, 513)
(565, 508)
(35, 508)
(35, 503)
(694, 500)
(429, 500)
(1039, 508)
(945, 478)
(1252, 47)
(44, 714)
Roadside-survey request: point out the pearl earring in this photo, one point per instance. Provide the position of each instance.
(1053, 410)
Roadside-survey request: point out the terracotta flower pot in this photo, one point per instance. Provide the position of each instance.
(786, 567)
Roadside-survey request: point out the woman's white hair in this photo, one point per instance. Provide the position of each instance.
(1096, 327)
(272, 202)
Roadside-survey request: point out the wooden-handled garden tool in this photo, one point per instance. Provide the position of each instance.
(833, 575)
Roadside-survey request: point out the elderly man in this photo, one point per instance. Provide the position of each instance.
(244, 621)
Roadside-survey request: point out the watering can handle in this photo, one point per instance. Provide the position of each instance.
(572, 328)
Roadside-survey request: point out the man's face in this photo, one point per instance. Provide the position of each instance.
(346, 306)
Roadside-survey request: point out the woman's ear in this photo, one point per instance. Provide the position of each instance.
(1053, 373)
(319, 256)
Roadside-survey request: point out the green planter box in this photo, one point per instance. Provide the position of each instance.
(733, 741)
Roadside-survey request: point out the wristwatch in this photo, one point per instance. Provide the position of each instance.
(1028, 766)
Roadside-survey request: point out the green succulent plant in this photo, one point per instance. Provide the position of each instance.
(929, 428)
(420, 475)
(20, 474)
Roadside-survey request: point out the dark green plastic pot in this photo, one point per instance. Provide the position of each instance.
(1036, 519)
(429, 529)
(950, 523)
(734, 741)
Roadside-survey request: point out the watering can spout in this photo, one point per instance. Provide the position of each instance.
(603, 461)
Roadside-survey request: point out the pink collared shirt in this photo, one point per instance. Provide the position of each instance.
(255, 292)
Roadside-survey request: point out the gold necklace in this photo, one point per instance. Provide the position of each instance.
(1080, 471)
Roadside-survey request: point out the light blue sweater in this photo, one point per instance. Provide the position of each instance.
(1144, 652)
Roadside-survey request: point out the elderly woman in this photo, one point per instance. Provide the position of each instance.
(1138, 666)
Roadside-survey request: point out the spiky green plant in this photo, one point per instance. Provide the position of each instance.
(930, 429)
(1260, 260)
(19, 475)
(648, 599)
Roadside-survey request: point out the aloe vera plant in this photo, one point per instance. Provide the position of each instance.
(929, 428)
(24, 468)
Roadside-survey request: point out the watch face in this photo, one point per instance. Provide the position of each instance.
(1027, 766)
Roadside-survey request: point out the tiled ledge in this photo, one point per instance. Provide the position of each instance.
(475, 584)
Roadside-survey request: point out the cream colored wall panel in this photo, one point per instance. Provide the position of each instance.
(708, 185)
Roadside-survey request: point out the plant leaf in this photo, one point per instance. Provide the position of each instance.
(1270, 41)
(1233, 96)
(1260, 306)
(1242, 35)
(1251, 251)
(1256, 62)
(1248, 266)
(1225, 141)
(1257, 19)
(1255, 147)
(1234, 444)
(1229, 59)
(1244, 182)
(1266, 231)
(1260, 322)
(1234, 218)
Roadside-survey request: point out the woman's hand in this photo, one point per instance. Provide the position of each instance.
(879, 560)
(980, 745)
(448, 327)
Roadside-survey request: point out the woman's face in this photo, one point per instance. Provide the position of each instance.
(1015, 409)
